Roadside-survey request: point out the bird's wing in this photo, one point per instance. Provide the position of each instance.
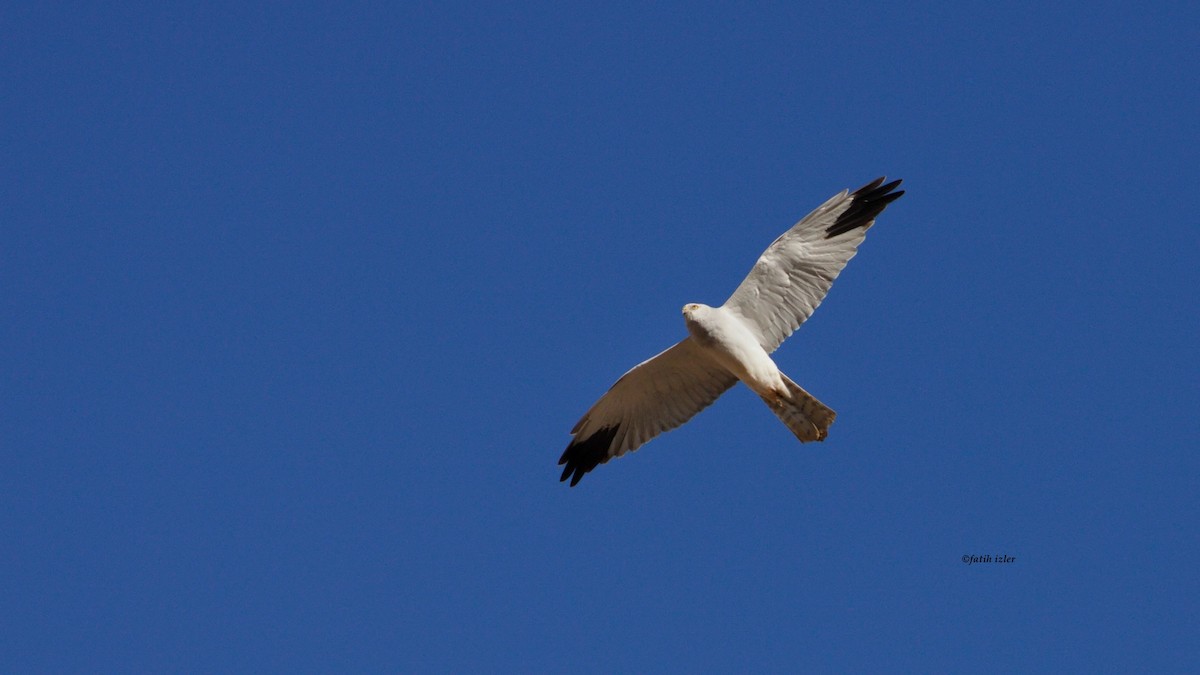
(655, 396)
(795, 272)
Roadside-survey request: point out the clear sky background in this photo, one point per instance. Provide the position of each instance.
(301, 301)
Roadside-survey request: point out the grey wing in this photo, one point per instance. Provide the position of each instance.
(795, 272)
(657, 395)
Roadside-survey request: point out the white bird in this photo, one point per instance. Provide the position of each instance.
(734, 341)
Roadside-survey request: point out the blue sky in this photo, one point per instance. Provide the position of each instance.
(302, 301)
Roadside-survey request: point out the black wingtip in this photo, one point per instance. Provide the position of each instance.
(866, 203)
(581, 456)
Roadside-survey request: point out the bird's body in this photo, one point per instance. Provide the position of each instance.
(734, 346)
(734, 341)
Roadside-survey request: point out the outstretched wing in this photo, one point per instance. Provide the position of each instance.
(793, 275)
(656, 396)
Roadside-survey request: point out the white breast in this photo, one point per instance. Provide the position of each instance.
(734, 346)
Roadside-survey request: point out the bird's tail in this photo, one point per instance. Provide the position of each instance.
(800, 411)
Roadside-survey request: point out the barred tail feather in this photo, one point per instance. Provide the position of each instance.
(808, 418)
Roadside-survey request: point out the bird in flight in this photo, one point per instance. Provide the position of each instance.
(734, 341)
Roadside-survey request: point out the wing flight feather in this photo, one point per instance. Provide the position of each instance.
(793, 275)
(657, 395)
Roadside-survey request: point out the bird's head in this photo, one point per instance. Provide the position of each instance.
(691, 308)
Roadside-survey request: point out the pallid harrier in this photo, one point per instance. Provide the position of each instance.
(733, 342)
